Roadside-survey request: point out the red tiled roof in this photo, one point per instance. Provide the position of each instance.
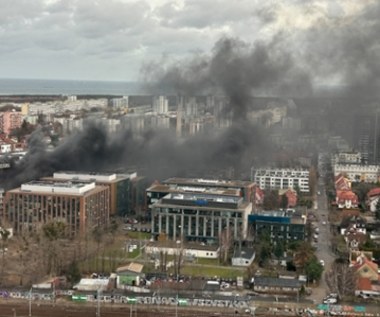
(365, 261)
(364, 284)
(343, 195)
(374, 192)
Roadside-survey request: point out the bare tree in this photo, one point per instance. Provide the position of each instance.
(341, 278)
(225, 244)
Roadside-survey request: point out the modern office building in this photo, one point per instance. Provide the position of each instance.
(281, 226)
(82, 206)
(223, 187)
(118, 184)
(200, 216)
(282, 179)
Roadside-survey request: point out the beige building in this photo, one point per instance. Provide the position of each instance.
(81, 206)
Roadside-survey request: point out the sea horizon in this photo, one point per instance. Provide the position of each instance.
(28, 86)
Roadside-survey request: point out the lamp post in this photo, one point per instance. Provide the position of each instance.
(14, 312)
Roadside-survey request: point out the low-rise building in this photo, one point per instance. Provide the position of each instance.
(346, 199)
(243, 257)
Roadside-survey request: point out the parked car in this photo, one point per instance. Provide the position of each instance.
(330, 300)
(322, 262)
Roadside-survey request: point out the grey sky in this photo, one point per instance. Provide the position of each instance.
(111, 39)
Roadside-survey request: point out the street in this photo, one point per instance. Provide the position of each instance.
(323, 245)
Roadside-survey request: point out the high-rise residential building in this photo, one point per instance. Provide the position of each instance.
(10, 120)
(160, 104)
(82, 206)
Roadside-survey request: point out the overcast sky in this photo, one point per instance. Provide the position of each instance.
(111, 39)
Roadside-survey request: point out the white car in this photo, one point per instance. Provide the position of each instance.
(330, 300)
(322, 262)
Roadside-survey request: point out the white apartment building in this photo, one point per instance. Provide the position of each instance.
(160, 104)
(358, 173)
(282, 179)
(346, 158)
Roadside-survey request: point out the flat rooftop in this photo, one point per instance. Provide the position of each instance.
(46, 186)
(207, 182)
(173, 188)
(91, 176)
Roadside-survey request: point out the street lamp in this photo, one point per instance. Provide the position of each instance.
(14, 312)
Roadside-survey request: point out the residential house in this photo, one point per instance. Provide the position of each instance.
(243, 257)
(365, 287)
(291, 197)
(365, 268)
(346, 199)
(372, 198)
(342, 182)
(353, 223)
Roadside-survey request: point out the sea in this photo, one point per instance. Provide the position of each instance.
(68, 87)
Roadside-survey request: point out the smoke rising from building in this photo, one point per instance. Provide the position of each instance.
(342, 51)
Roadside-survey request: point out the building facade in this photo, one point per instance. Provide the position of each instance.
(118, 184)
(200, 217)
(283, 179)
(9, 121)
(358, 172)
(281, 226)
(81, 206)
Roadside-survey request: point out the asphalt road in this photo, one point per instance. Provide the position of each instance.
(323, 245)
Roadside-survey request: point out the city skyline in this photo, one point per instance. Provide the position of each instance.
(113, 40)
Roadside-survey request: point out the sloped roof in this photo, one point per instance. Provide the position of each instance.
(131, 267)
(245, 253)
(363, 284)
(374, 192)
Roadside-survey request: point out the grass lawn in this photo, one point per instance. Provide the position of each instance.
(138, 235)
(210, 272)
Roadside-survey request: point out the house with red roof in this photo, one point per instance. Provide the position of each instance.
(291, 196)
(372, 198)
(346, 199)
(259, 196)
(342, 182)
(365, 268)
(366, 287)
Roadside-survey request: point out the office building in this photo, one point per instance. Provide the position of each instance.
(200, 216)
(82, 206)
(118, 185)
(281, 226)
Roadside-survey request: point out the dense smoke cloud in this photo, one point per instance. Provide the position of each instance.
(344, 51)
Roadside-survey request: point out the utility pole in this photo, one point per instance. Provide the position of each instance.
(98, 302)
(30, 301)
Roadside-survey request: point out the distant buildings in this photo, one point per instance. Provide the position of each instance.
(9, 121)
(282, 179)
(358, 172)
